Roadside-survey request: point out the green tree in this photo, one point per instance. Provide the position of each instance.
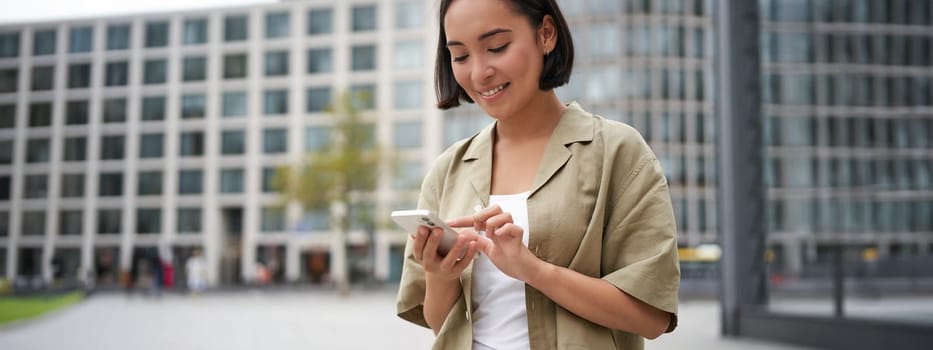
(336, 176)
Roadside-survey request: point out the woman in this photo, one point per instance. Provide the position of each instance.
(567, 234)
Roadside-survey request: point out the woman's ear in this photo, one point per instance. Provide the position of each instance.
(547, 34)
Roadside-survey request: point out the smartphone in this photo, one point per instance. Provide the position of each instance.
(410, 220)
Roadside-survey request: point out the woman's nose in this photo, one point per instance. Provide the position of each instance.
(482, 70)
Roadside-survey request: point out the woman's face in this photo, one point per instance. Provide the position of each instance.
(496, 55)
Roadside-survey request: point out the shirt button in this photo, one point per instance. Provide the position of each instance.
(467, 313)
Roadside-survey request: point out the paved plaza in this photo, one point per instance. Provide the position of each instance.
(304, 319)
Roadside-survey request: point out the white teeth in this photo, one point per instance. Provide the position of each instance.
(493, 91)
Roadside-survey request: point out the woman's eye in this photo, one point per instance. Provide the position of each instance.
(499, 49)
(460, 58)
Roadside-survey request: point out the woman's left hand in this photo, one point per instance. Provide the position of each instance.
(502, 242)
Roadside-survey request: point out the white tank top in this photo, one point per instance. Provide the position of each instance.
(500, 320)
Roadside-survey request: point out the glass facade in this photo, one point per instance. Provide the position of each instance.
(845, 88)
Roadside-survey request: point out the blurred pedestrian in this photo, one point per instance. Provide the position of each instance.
(196, 271)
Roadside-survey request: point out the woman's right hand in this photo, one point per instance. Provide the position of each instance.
(448, 267)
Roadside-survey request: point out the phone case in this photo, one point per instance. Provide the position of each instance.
(410, 220)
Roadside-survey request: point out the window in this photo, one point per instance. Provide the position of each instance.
(150, 146)
(43, 78)
(602, 83)
(320, 60)
(235, 66)
(116, 73)
(277, 25)
(111, 147)
(409, 176)
(33, 223)
(604, 39)
(189, 181)
(408, 94)
(194, 68)
(148, 220)
(231, 181)
(408, 54)
(6, 152)
(234, 104)
(110, 184)
(153, 108)
(72, 185)
(274, 141)
(192, 144)
(408, 135)
(275, 102)
(118, 37)
(268, 176)
(40, 114)
(37, 151)
(364, 18)
(7, 116)
(320, 21)
(108, 221)
(70, 222)
(192, 106)
(236, 28)
(195, 31)
(35, 186)
(115, 110)
(150, 183)
(409, 14)
(363, 96)
(189, 220)
(276, 63)
(5, 188)
(44, 42)
(316, 138)
(233, 142)
(157, 34)
(4, 231)
(154, 71)
(75, 149)
(318, 99)
(9, 45)
(81, 40)
(273, 219)
(9, 78)
(363, 57)
(76, 113)
(79, 75)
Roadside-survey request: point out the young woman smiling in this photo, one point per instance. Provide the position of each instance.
(567, 233)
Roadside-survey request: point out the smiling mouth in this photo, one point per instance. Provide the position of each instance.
(494, 90)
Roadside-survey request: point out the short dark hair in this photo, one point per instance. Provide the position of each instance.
(557, 64)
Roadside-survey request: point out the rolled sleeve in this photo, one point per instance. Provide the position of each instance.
(640, 250)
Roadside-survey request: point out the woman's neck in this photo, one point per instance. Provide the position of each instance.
(538, 119)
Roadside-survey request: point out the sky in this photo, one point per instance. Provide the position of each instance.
(18, 11)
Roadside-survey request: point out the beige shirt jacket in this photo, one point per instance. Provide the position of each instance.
(599, 205)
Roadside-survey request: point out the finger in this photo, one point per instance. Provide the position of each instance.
(466, 221)
(485, 245)
(471, 249)
(480, 217)
(493, 223)
(510, 231)
(455, 254)
(430, 247)
(420, 239)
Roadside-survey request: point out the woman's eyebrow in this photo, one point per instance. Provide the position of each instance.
(482, 37)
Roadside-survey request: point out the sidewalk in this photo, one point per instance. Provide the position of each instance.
(312, 319)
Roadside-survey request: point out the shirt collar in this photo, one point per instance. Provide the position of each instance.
(575, 125)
